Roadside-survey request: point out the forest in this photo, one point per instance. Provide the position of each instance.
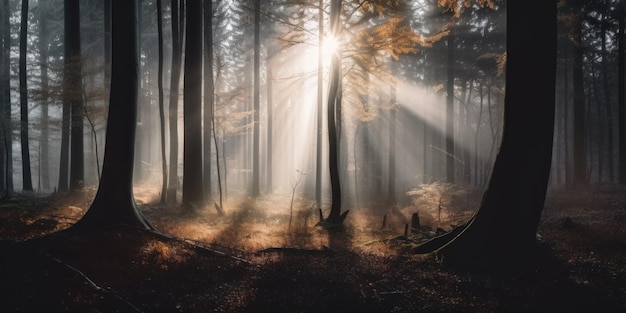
(312, 156)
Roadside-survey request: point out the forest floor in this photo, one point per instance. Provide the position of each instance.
(252, 260)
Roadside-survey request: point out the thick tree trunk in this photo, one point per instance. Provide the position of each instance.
(193, 190)
(114, 203)
(503, 232)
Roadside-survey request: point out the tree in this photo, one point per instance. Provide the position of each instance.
(193, 190)
(43, 56)
(256, 188)
(621, 104)
(580, 152)
(73, 87)
(161, 105)
(5, 97)
(27, 180)
(503, 232)
(209, 94)
(177, 35)
(114, 203)
(320, 106)
(450, 110)
(334, 119)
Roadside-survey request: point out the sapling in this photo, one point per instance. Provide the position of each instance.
(294, 186)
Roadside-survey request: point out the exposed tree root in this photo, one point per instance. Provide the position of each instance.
(90, 282)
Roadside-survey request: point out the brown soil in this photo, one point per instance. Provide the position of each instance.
(253, 261)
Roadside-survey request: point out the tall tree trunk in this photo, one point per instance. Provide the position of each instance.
(320, 106)
(621, 102)
(161, 104)
(209, 95)
(450, 110)
(193, 190)
(334, 119)
(580, 150)
(270, 122)
(173, 101)
(256, 188)
(7, 125)
(391, 191)
(114, 203)
(107, 49)
(74, 88)
(27, 180)
(43, 59)
(503, 232)
(608, 104)
(5, 49)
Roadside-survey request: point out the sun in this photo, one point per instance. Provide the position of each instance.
(330, 45)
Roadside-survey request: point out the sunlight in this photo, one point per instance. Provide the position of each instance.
(329, 47)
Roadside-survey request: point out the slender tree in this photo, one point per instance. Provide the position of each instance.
(209, 94)
(177, 35)
(256, 188)
(193, 191)
(393, 112)
(161, 104)
(24, 140)
(450, 110)
(503, 232)
(621, 68)
(74, 88)
(6, 83)
(334, 119)
(320, 105)
(107, 48)
(580, 149)
(114, 202)
(45, 95)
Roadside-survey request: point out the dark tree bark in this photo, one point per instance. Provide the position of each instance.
(450, 110)
(27, 180)
(334, 120)
(320, 104)
(256, 188)
(44, 168)
(621, 102)
(193, 191)
(114, 203)
(391, 191)
(209, 94)
(107, 48)
(5, 99)
(172, 186)
(269, 184)
(159, 5)
(73, 86)
(608, 105)
(580, 150)
(503, 232)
